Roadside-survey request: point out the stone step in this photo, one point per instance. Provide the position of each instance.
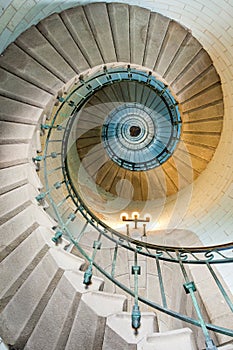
(19, 112)
(96, 107)
(18, 265)
(13, 177)
(91, 147)
(89, 324)
(11, 133)
(180, 339)
(120, 335)
(11, 203)
(36, 45)
(89, 120)
(16, 229)
(47, 234)
(118, 93)
(184, 56)
(14, 154)
(119, 21)
(22, 313)
(78, 25)
(30, 300)
(29, 69)
(139, 19)
(98, 18)
(200, 63)
(173, 40)
(203, 81)
(20, 90)
(19, 175)
(66, 261)
(53, 332)
(106, 181)
(209, 96)
(156, 32)
(76, 279)
(108, 97)
(58, 35)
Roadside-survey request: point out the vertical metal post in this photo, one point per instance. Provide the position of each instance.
(88, 272)
(136, 314)
(114, 261)
(190, 288)
(82, 232)
(163, 296)
(220, 286)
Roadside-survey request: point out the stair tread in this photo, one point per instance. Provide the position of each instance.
(16, 229)
(15, 133)
(57, 33)
(22, 308)
(16, 200)
(14, 265)
(36, 45)
(89, 322)
(104, 304)
(19, 112)
(139, 22)
(120, 324)
(49, 330)
(76, 279)
(173, 40)
(119, 19)
(16, 88)
(13, 154)
(28, 68)
(66, 260)
(181, 339)
(78, 26)
(99, 22)
(156, 32)
(13, 177)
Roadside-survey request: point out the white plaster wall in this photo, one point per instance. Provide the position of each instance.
(210, 213)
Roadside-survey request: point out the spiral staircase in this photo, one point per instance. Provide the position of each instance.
(72, 276)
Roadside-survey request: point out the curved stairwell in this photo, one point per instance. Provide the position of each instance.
(44, 303)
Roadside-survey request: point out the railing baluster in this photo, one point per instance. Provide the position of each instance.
(114, 261)
(161, 285)
(88, 272)
(63, 201)
(220, 286)
(82, 232)
(136, 314)
(204, 256)
(190, 288)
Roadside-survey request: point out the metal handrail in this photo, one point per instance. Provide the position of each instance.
(181, 255)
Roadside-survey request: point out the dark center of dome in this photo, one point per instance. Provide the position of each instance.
(134, 130)
(139, 137)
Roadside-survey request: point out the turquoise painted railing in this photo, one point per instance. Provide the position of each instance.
(67, 206)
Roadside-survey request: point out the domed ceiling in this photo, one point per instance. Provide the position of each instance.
(138, 143)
